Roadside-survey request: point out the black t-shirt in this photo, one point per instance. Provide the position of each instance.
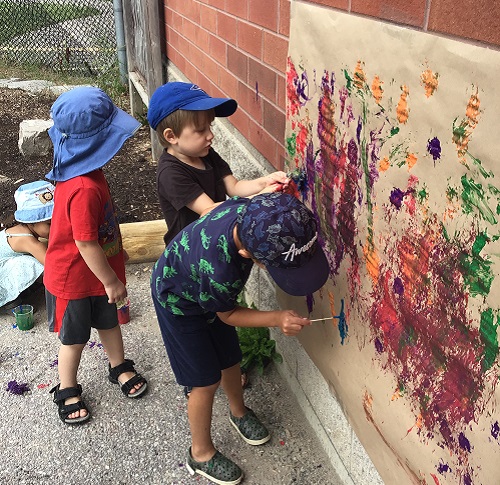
(178, 184)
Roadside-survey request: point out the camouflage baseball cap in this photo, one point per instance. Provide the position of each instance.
(282, 234)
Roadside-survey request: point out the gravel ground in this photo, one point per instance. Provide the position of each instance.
(128, 441)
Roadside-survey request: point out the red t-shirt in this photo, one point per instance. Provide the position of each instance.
(83, 211)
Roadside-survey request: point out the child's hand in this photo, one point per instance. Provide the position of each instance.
(291, 323)
(116, 291)
(276, 178)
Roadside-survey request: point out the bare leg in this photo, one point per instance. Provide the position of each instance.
(231, 383)
(112, 342)
(69, 360)
(200, 405)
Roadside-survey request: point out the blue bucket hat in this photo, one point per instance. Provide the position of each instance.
(35, 202)
(176, 95)
(88, 132)
(282, 234)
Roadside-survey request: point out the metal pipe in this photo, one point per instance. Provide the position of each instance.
(121, 47)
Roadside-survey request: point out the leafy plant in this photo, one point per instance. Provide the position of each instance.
(257, 347)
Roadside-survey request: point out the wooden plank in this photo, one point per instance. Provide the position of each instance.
(143, 241)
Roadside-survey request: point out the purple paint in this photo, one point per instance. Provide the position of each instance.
(434, 148)
(398, 286)
(256, 90)
(467, 479)
(352, 151)
(358, 130)
(17, 388)
(379, 346)
(495, 430)
(396, 197)
(443, 468)
(54, 363)
(464, 442)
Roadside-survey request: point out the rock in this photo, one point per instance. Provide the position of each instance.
(34, 139)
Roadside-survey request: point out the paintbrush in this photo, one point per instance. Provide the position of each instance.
(320, 319)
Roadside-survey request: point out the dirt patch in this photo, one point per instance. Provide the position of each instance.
(130, 174)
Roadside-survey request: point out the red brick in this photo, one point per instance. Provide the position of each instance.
(226, 27)
(401, 11)
(281, 158)
(217, 49)
(275, 51)
(264, 13)
(250, 102)
(343, 4)
(281, 84)
(263, 78)
(474, 19)
(227, 83)
(208, 18)
(262, 141)
(201, 39)
(274, 121)
(188, 30)
(240, 121)
(239, 8)
(237, 63)
(250, 39)
(210, 68)
(215, 3)
(284, 18)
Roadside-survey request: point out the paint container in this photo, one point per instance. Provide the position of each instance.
(123, 310)
(24, 317)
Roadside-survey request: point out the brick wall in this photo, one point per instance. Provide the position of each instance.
(238, 48)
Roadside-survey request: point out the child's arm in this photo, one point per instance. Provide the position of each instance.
(288, 321)
(31, 245)
(96, 260)
(244, 188)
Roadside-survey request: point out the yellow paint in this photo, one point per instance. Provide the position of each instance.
(384, 164)
(377, 89)
(411, 160)
(430, 82)
(402, 110)
(372, 262)
(359, 76)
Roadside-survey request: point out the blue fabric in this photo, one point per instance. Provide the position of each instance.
(35, 202)
(88, 132)
(18, 271)
(177, 95)
(200, 270)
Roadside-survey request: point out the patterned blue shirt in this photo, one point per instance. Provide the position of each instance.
(201, 270)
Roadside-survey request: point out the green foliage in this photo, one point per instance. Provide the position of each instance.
(34, 16)
(257, 347)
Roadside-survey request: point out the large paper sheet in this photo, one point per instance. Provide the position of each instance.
(393, 139)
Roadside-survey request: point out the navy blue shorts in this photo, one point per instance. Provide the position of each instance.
(199, 347)
(73, 319)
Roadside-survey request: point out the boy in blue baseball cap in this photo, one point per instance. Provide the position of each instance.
(85, 261)
(195, 285)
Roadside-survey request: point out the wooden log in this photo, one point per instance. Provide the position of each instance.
(143, 241)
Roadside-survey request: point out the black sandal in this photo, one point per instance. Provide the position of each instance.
(60, 395)
(128, 366)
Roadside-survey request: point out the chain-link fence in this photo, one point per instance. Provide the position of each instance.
(76, 36)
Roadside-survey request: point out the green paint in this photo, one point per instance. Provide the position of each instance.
(394, 130)
(473, 197)
(291, 145)
(479, 165)
(348, 81)
(451, 193)
(488, 332)
(476, 270)
(422, 195)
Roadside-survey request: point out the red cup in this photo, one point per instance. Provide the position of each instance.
(123, 311)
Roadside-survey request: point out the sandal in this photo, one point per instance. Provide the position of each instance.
(128, 366)
(60, 395)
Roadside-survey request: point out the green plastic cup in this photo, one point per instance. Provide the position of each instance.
(24, 317)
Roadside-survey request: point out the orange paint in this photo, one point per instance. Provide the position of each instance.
(463, 132)
(472, 111)
(396, 395)
(377, 90)
(430, 82)
(384, 164)
(359, 76)
(402, 110)
(411, 160)
(372, 262)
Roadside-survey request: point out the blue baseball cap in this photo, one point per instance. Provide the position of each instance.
(177, 95)
(35, 202)
(282, 234)
(88, 132)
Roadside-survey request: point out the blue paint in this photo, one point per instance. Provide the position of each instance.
(343, 327)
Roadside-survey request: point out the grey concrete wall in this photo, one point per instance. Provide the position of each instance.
(317, 401)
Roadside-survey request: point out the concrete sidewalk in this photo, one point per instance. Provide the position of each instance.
(129, 441)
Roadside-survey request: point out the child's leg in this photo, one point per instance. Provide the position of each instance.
(231, 383)
(68, 362)
(200, 418)
(112, 342)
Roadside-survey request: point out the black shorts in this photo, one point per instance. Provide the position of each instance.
(199, 347)
(73, 319)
